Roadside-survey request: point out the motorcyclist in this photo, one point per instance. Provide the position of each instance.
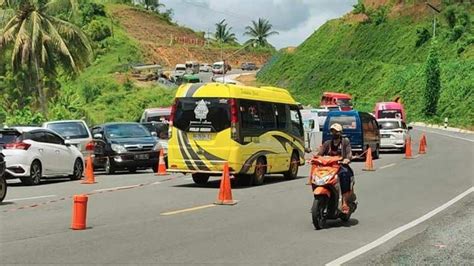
(340, 146)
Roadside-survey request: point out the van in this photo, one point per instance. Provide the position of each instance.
(257, 131)
(389, 110)
(335, 99)
(311, 128)
(220, 68)
(361, 128)
(161, 114)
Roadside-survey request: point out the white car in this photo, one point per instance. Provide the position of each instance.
(76, 131)
(34, 153)
(393, 133)
(205, 68)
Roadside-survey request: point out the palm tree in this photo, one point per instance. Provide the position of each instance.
(40, 43)
(259, 32)
(223, 33)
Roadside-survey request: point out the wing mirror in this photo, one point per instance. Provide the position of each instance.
(98, 136)
(153, 134)
(410, 127)
(67, 143)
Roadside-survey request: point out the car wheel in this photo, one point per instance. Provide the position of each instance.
(294, 165)
(109, 167)
(3, 188)
(78, 170)
(200, 179)
(260, 171)
(35, 174)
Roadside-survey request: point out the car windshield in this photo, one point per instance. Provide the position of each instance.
(180, 69)
(70, 130)
(344, 102)
(217, 66)
(120, 131)
(346, 121)
(390, 114)
(389, 124)
(202, 115)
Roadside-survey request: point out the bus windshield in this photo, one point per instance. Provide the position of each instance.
(202, 114)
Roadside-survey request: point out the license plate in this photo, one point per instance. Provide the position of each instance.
(141, 157)
(202, 136)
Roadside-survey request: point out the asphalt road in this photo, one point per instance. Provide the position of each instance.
(271, 224)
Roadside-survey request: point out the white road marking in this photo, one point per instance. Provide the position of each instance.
(189, 209)
(447, 135)
(157, 183)
(30, 198)
(388, 165)
(115, 188)
(397, 231)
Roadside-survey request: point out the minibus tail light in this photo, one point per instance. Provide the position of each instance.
(172, 115)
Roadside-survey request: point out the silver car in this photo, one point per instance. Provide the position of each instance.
(75, 131)
(393, 133)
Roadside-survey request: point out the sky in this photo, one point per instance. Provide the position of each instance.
(295, 20)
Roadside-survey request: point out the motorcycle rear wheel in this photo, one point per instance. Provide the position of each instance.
(317, 212)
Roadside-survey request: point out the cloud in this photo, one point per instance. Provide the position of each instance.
(295, 20)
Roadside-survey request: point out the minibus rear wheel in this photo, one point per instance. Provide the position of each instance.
(200, 178)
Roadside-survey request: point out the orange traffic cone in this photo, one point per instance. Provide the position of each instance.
(369, 164)
(79, 212)
(408, 154)
(225, 191)
(161, 164)
(90, 178)
(422, 149)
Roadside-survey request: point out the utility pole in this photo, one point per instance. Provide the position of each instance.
(434, 18)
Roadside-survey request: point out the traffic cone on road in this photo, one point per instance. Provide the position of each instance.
(161, 164)
(408, 154)
(369, 164)
(90, 178)
(422, 149)
(225, 191)
(79, 212)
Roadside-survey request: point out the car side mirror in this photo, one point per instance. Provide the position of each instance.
(410, 127)
(98, 136)
(154, 134)
(67, 143)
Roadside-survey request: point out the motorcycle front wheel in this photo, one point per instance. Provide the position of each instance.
(317, 211)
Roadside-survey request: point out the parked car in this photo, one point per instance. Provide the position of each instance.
(160, 131)
(393, 133)
(3, 182)
(35, 153)
(205, 68)
(248, 66)
(120, 146)
(76, 131)
(360, 127)
(179, 70)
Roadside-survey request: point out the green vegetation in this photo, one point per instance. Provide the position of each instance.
(379, 62)
(433, 83)
(224, 33)
(259, 32)
(100, 93)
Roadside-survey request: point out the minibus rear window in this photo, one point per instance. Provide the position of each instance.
(202, 114)
(346, 121)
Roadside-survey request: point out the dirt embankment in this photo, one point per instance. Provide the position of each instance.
(168, 44)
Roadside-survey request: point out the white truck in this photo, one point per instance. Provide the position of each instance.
(312, 134)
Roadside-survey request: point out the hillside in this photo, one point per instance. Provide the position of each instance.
(169, 44)
(379, 62)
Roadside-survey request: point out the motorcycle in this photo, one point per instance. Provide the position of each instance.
(324, 181)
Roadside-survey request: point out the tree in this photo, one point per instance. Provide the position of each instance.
(259, 32)
(223, 33)
(153, 5)
(433, 82)
(40, 43)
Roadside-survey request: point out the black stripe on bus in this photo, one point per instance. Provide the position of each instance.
(207, 155)
(183, 153)
(249, 162)
(199, 163)
(192, 89)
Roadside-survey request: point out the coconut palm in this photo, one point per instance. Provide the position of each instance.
(40, 43)
(259, 32)
(223, 33)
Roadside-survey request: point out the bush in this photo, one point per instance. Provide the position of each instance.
(379, 15)
(450, 16)
(423, 35)
(359, 8)
(457, 32)
(91, 10)
(98, 30)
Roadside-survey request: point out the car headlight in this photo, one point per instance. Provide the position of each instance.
(118, 148)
